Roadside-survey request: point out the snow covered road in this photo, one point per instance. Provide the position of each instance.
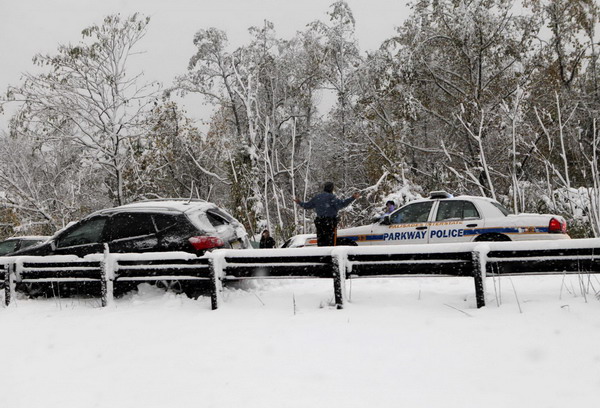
(400, 342)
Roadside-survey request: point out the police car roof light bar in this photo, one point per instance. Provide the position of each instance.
(439, 194)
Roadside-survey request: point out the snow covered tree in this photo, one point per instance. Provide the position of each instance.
(89, 96)
(45, 183)
(462, 60)
(173, 159)
(340, 59)
(263, 95)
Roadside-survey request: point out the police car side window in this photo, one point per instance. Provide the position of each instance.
(501, 208)
(470, 211)
(418, 212)
(456, 210)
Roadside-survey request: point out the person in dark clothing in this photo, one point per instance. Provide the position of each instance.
(326, 205)
(390, 206)
(266, 240)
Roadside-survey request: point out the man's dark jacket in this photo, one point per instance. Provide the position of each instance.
(326, 204)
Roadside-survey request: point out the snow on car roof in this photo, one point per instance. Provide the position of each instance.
(453, 198)
(30, 238)
(167, 205)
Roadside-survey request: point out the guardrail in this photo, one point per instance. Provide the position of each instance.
(471, 260)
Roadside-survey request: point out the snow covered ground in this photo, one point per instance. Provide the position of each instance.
(411, 342)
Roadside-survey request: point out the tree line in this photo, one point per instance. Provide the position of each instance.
(486, 97)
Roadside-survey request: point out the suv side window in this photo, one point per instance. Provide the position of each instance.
(164, 221)
(87, 232)
(456, 210)
(128, 225)
(418, 212)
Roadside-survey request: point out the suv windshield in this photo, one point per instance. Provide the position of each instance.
(8, 246)
(88, 232)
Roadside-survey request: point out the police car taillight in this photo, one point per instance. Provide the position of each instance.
(557, 227)
(203, 243)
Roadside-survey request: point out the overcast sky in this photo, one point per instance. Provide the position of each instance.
(28, 27)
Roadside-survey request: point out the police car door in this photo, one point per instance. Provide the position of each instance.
(408, 225)
(452, 217)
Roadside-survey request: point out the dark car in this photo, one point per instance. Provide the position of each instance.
(149, 226)
(15, 244)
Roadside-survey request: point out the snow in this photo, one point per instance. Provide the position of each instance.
(30, 237)
(416, 342)
(399, 342)
(169, 205)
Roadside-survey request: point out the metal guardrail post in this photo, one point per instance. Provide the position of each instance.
(107, 278)
(215, 268)
(12, 281)
(338, 263)
(7, 284)
(478, 276)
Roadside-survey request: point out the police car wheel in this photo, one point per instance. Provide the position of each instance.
(492, 237)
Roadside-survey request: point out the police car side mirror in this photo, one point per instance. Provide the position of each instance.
(386, 220)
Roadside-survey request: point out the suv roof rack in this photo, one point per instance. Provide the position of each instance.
(439, 194)
(187, 200)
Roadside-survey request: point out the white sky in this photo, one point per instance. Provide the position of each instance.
(28, 27)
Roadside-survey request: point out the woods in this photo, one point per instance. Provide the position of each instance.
(482, 97)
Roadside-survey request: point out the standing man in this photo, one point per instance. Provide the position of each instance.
(326, 205)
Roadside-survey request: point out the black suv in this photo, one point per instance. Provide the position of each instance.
(148, 226)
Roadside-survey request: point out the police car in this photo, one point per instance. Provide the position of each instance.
(300, 240)
(442, 218)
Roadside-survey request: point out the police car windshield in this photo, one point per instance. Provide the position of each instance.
(500, 207)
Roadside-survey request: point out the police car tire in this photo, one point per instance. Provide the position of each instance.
(492, 237)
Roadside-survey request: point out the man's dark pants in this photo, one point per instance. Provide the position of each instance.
(325, 230)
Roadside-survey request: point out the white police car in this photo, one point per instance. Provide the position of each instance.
(442, 218)
(300, 240)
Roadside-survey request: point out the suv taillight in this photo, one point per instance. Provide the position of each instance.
(557, 227)
(203, 243)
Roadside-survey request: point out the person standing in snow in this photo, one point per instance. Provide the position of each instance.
(326, 205)
(266, 240)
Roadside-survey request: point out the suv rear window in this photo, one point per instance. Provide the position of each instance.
(216, 219)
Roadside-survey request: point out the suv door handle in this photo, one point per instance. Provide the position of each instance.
(421, 228)
(471, 225)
